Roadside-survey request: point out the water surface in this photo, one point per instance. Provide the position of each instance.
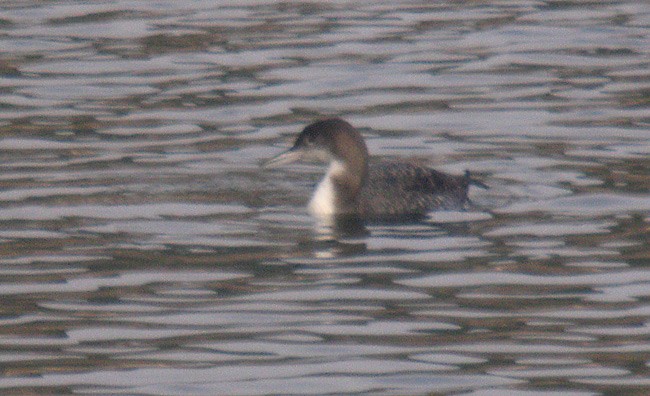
(143, 250)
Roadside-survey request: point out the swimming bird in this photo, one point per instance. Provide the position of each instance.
(382, 191)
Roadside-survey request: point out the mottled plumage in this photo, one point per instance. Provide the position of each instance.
(402, 189)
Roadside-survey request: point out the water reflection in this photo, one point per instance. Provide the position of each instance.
(142, 250)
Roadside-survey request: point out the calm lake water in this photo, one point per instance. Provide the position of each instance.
(143, 251)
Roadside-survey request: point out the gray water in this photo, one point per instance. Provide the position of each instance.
(143, 251)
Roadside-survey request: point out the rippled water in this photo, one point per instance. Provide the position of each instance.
(143, 251)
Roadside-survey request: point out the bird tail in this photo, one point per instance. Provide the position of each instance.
(474, 182)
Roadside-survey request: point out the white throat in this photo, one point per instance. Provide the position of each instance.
(323, 202)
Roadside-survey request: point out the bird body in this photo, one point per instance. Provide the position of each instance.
(378, 191)
(406, 190)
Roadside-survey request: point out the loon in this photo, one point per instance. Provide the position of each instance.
(372, 192)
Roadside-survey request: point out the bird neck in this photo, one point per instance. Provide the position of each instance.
(339, 190)
(349, 168)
